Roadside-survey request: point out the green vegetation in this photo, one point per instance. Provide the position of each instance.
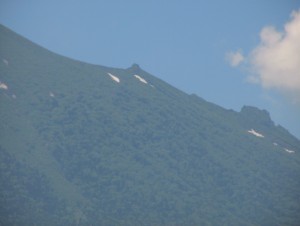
(78, 148)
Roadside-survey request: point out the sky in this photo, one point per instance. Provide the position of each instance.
(232, 53)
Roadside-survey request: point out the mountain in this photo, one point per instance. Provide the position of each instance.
(83, 144)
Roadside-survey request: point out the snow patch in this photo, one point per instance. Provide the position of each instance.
(252, 131)
(289, 151)
(113, 77)
(5, 62)
(51, 94)
(3, 86)
(275, 144)
(141, 79)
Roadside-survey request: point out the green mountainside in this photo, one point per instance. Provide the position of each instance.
(83, 144)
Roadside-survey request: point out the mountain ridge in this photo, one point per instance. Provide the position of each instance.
(83, 144)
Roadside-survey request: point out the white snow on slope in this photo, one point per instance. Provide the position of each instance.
(5, 62)
(289, 151)
(141, 79)
(51, 94)
(252, 131)
(113, 77)
(3, 86)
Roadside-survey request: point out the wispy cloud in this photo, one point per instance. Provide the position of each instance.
(275, 61)
(235, 58)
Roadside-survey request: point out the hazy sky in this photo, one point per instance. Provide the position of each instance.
(232, 53)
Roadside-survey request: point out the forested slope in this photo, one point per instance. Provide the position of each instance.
(83, 144)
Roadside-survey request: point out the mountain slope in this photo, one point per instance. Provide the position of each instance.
(84, 144)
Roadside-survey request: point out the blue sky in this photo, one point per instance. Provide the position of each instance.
(215, 49)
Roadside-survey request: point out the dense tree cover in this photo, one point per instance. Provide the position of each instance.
(78, 148)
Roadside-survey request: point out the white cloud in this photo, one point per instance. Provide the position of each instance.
(235, 58)
(276, 60)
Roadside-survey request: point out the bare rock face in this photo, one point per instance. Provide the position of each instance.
(254, 116)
